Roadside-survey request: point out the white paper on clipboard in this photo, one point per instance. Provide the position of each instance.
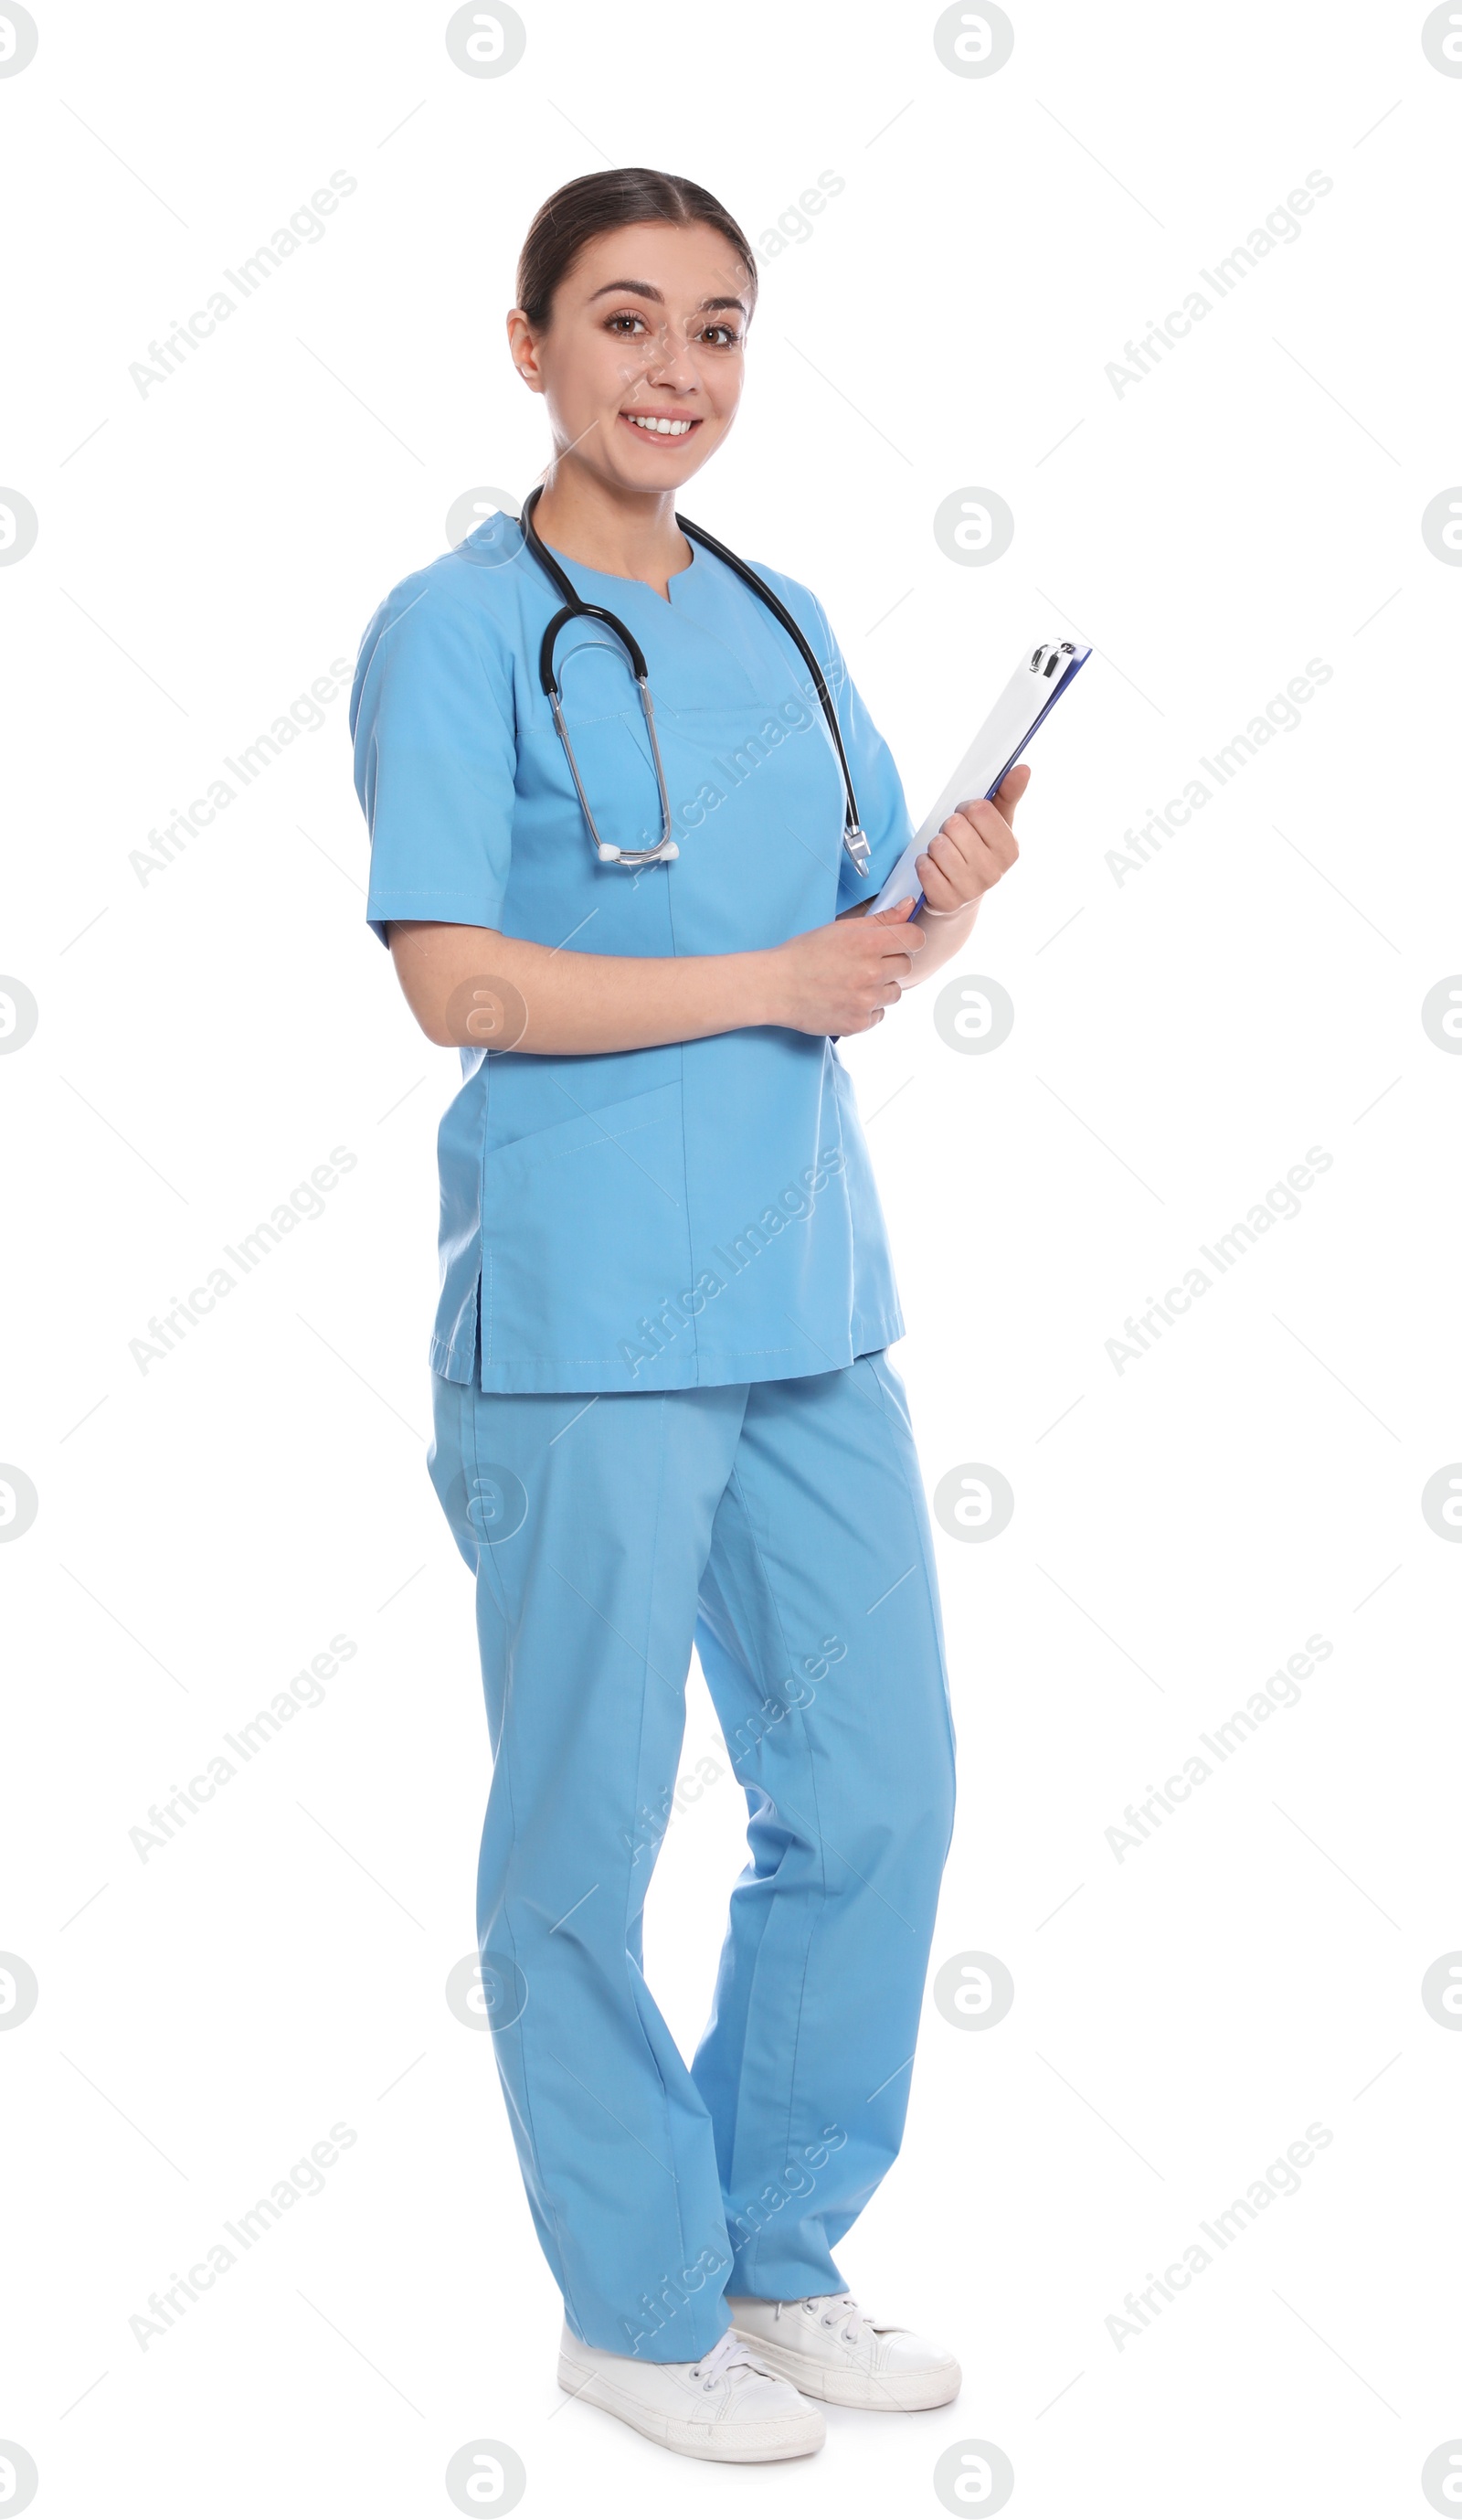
(1042, 674)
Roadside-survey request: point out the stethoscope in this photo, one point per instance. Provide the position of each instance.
(665, 848)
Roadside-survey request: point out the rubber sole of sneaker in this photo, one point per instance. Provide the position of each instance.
(889, 2392)
(746, 2445)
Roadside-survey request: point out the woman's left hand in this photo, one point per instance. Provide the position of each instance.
(972, 850)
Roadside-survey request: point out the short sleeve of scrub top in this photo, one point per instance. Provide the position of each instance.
(647, 1220)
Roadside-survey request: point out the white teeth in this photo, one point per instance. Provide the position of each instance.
(661, 427)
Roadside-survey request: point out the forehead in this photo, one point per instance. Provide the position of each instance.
(687, 265)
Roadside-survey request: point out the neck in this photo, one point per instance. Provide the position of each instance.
(625, 533)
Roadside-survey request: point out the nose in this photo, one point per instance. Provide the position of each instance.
(668, 362)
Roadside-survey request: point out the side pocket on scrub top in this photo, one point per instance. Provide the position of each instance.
(584, 1230)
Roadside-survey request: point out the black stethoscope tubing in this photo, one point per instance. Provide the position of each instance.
(575, 609)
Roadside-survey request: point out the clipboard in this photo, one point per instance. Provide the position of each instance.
(1026, 703)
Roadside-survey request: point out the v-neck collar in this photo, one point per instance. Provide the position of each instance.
(609, 577)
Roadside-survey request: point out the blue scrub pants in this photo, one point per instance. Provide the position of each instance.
(781, 1527)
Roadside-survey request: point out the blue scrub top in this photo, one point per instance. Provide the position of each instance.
(644, 1220)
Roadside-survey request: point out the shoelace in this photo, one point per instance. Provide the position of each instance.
(833, 2306)
(727, 2354)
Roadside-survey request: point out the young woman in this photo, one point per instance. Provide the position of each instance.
(626, 809)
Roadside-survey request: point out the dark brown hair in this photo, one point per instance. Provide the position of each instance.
(590, 205)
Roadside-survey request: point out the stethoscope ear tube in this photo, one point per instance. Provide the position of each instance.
(853, 840)
(587, 612)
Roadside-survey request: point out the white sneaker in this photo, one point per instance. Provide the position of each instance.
(831, 2349)
(731, 2404)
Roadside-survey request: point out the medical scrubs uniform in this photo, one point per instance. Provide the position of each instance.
(663, 1416)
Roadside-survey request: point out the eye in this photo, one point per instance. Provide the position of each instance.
(629, 318)
(723, 337)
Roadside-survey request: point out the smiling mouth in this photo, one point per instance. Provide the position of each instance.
(665, 428)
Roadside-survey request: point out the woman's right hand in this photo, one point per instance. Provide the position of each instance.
(840, 979)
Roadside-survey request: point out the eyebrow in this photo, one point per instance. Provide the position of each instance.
(644, 289)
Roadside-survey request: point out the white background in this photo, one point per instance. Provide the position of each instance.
(1181, 1038)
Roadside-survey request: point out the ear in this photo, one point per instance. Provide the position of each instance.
(522, 349)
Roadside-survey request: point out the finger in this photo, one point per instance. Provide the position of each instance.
(968, 865)
(957, 848)
(984, 838)
(938, 892)
(982, 818)
(895, 916)
(1012, 789)
(941, 896)
(973, 859)
(1004, 800)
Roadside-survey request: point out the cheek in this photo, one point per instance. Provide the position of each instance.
(571, 406)
(589, 379)
(723, 393)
